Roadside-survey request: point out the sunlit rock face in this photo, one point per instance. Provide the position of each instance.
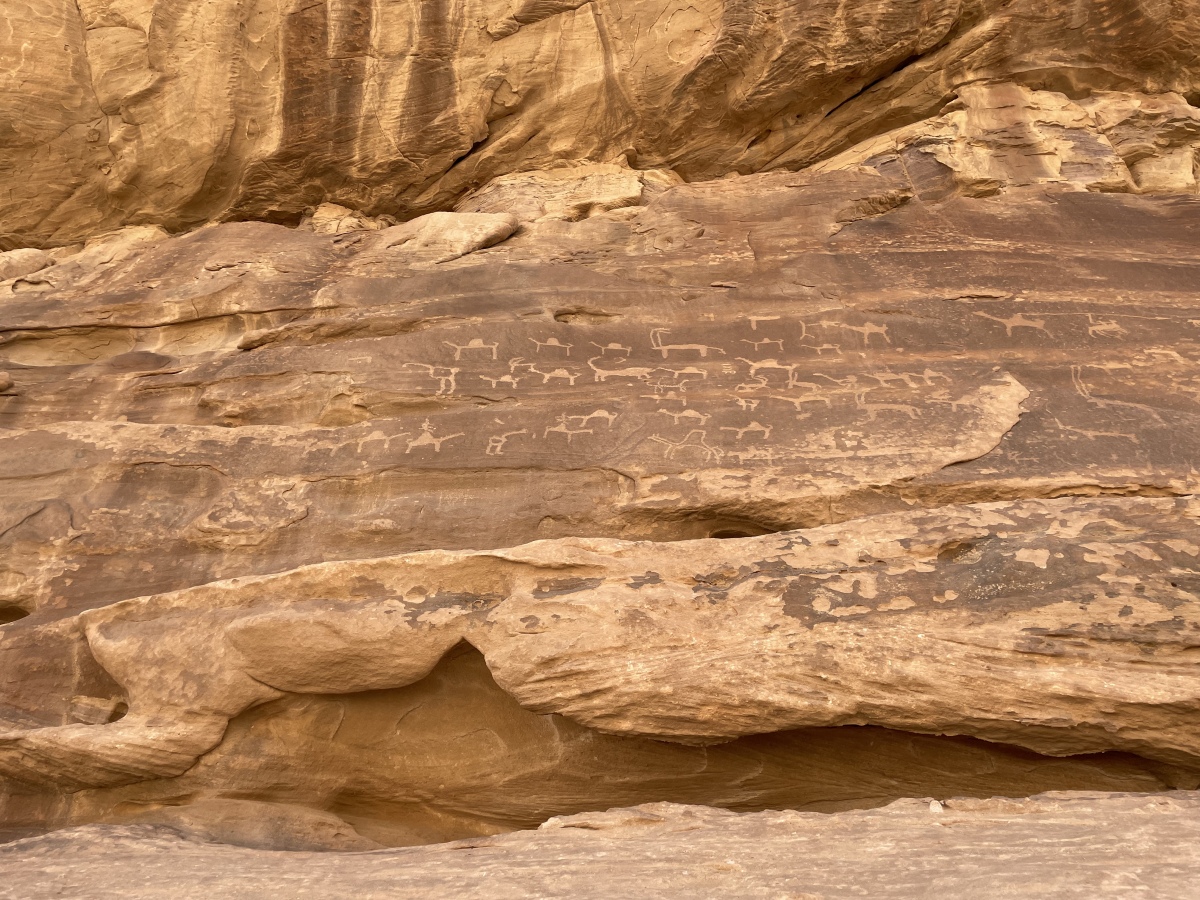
(144, 111)
(422, 420)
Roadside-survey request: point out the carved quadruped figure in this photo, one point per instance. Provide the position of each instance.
(567, 375)
(552, 342)
(874, 409)
(757, 344)
(1105, 327)
(472, 344)
(639, 373)
(910, 379)
(619, 349)
(656, 342)
(769, 365)
(850, 381)
(746, 387)
(563, 428)
(597, 414)
(798, 402)
(668, 397)
(695, 440)
(764, 430)
(1017, 321)
(679, 373)
(501, 379)
(426, 438)
(443, 375)
(702, 418)
(866, 330)
(495, 445)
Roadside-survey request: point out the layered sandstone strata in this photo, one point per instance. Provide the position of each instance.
(145, 111)
(417, 422)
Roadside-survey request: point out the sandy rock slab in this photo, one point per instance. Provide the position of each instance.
(1053, 845)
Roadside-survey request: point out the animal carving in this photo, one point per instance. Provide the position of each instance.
(552, 342)
(693, 414)
(444, 376)
(495, 445)
(695, 440)
(764, 430)
(641, 373)
(473, 344)
(619, 349)
(757, 344)
(427, 439)
(656, 336)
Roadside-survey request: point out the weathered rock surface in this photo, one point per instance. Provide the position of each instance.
(421, 420)
(1056, 845)
(1065, 627)
(118, 112)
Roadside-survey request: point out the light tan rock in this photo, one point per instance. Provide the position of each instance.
(1000, 136)
(1062, 845)
(453, 756)
(570, 193)
(935, 395)
(118, 116)
(329, 218)
(444, 236)
(1053, 625)
(16, 263)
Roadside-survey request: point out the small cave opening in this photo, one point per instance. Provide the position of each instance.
(454, 756)
(12, 613)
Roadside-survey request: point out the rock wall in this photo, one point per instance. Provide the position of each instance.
(421, 420)
(159, 112)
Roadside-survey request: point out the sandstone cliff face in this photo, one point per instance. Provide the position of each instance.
(147, 111)
(421, 420)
